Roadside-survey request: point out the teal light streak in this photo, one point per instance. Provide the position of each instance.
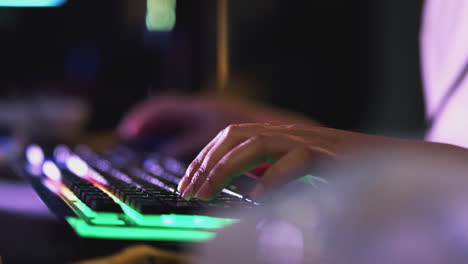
(309, 179)
(165, 227)
(176, 220)
(140, 233)
(31, 3)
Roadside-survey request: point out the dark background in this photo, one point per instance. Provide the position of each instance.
(348, 64)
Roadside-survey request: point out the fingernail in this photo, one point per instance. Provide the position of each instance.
(257, 191)
(188, 193)
(182, 184)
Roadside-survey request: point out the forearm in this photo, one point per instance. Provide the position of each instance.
(359, 142)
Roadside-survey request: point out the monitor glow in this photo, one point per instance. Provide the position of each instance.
(31, 3)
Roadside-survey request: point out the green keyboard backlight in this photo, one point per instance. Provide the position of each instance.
(164, 227)
(140, 233)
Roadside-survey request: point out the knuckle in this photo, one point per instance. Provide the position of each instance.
(220, 133)
(196, 179)
(193, 166)
(198, 175)
(236, 128)
(201, 170)
(193, 180)
(232, 129)
(195, 163)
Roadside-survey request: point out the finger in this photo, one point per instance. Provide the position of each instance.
(229, 138)
(294, 164)
(256, 150)
(195, 165)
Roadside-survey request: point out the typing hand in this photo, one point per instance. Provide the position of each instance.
(292, 150)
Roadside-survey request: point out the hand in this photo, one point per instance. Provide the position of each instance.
(195, 120)
(291, 149)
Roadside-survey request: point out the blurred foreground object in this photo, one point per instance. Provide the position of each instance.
(400, 207)
(21, 200)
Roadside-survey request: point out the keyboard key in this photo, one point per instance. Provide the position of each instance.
(150, 207)
(149, 189)
(104, 205)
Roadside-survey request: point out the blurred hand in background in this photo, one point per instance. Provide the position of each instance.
(192, 121)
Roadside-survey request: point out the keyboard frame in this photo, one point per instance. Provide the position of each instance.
(130, 225)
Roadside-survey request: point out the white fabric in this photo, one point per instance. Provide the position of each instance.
(444, 45)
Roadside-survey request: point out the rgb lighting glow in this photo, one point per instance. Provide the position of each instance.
(166, 227)
(231, 193)
(34, 154)
(80, 168)
(164, 220)
(129, 224)
(31, 3)
(61, 154)
(142, 233)
(77, 166)
(52, 171)
(313, 180)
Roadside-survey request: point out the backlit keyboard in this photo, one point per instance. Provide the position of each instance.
(120, 194)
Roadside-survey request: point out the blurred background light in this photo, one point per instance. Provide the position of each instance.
(160, 15)
(31, 3)
(35, 155)
(77, 166)
(52, 171)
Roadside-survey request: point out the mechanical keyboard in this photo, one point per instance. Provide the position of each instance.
(122, 194)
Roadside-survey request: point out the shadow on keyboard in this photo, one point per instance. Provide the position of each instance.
(122, 194)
